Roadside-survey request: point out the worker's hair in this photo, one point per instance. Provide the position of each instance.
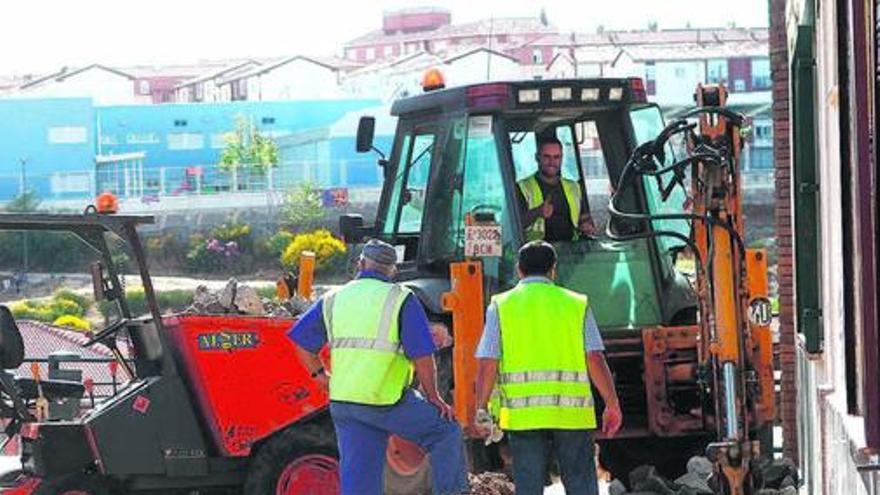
(536, 258)
(545, 139)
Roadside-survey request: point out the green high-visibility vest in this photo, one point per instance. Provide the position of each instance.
(531, 191)
(369, 366)
(543, 373)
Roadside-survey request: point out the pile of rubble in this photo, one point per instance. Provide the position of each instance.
(779, 477)
(489, 483)
(236, 298)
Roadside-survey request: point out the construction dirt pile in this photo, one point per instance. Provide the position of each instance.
(778, 477)
(236, 298)
(490, 484)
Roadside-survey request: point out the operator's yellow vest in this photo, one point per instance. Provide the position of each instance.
(543, 373)
(531, 190)
(369, 366)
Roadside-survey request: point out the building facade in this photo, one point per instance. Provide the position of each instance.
(824, 57)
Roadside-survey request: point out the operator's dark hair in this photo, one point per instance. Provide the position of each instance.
(536, 258)
(544, 139)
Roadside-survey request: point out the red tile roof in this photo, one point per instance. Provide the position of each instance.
(499, 26)
(41, 339)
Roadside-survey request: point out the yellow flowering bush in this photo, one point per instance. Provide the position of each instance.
(328, 249)
(72, 322)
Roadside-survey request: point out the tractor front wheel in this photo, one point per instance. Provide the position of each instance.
(301, 460)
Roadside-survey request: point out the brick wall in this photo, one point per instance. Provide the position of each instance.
(779, 66)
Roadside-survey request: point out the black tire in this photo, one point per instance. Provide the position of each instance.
(312, 444)
(78, 484)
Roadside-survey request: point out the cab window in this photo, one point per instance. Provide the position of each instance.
(406, 206)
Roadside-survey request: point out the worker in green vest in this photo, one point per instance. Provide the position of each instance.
(551, 206)
(379, 336)
(542, 346)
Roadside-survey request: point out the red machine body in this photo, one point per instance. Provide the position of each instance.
(245, 376)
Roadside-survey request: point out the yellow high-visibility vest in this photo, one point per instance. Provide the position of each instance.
(543, 374)
(369, 366)
(531, 191)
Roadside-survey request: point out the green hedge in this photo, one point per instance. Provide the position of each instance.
(171, 300)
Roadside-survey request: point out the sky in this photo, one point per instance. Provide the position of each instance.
(43, 35)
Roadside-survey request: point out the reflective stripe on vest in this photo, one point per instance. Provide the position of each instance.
(362, 322)
(547, 401)
(543, 375)
(531, 191)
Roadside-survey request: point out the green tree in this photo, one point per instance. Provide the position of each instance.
(303, 209)
(246, 147)
(26, 202)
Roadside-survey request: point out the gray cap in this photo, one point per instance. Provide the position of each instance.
(380, 252)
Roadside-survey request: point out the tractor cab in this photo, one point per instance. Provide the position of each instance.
(457, 157)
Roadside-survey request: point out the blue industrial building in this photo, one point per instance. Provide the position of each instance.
(47, 146)
(72, 149)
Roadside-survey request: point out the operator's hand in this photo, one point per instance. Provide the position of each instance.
(587, 227)
(446, 411)
(547, 208)
(612, 418)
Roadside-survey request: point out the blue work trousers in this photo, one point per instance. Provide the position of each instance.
(362, 432)
(574, 451)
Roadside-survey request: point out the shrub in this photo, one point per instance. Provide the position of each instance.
(222, 249)
(82, 301)
(278, 242)
(72, 322)
(46, 311)
(329, 251)
(169, 301)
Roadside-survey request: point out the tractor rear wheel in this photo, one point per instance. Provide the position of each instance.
(301, 460)
(75, 484)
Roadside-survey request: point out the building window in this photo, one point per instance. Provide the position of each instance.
(679, 72)
(185, 141)
(267, 120)
(67, 135)
(761, 159)
(650, 77)
(760, 73)
(386, 51)
(716, 71)
(502, 38)
(144, 87)
(142, 138)
(180, 123)
(739, 85)
(371, 53)
(764, 131)
(537, 56)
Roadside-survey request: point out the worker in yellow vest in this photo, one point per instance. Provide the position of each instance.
(378, 335)
(542, 346)
(551, 206)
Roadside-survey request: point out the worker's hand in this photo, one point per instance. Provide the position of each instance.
(483, 423)
(612, 418)
(547, 208)
(587, 227)
(446, 411)
(486, 428)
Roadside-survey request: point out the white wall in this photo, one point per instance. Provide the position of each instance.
(103, 87)
(676, 81)
(296, 80)
(475, 67)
